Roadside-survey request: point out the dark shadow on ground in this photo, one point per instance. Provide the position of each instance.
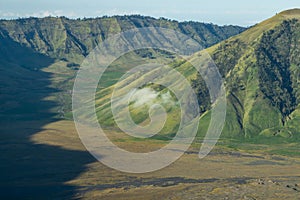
(28, 170)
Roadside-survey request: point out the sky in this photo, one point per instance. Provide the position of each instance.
(222, 12)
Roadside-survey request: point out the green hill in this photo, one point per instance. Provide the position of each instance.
(261, 70)
(259, 66)
(69, 39)
(33, 50)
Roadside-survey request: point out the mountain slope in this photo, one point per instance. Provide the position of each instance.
(74, 39)
(33, 47)
(261, 70)
(260, 67)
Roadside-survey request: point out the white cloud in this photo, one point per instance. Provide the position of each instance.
(42, 13)
(9, 14)
(144, 96)
(115, 12)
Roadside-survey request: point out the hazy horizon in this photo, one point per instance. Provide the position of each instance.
(231, 12)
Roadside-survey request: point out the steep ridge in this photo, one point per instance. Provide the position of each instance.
(260, 66)
(73, 39)
(57, 46)
(261, 70)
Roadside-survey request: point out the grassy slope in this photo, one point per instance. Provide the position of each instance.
(68, 41)
(249, 113)
(63, 38)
